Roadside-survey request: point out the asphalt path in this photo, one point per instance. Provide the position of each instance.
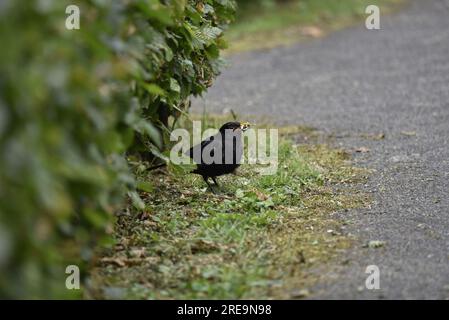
(357, 84)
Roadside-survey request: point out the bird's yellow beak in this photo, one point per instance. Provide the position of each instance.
(244, 125)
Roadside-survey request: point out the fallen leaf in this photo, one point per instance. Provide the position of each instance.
(374, 244)
(312, 31)
(138, 252)
(302, 293)
(117, 261)
(203, 246)
(362, 150)
(261, 196)
(144, 215)
(409, 133)
(379, 136)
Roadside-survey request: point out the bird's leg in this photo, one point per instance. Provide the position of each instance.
(217, 185)
(208, 184)
(215, 181)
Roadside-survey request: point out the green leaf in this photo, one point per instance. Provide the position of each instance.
(174, 85)
(145, 186)
(239, 193)
(159, 154)
(97, 218)
(155, 11)
(147, 128)
(153, 89)
(69, 142)
(136, 200)
(207, 34)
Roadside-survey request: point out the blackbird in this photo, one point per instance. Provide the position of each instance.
(219, 154)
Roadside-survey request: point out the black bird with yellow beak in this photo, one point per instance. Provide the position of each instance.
(219, 154)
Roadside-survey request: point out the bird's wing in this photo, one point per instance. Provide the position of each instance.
(199, 146)
(196, 151)
(233, 149)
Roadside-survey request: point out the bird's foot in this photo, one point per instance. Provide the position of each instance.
(215, 189)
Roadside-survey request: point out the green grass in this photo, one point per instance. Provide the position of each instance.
(257, 239)
(262, 27)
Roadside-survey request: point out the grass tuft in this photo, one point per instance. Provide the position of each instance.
(259, 238)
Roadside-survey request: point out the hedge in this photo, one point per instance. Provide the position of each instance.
(73, 105)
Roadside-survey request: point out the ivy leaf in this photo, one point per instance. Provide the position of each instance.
(174, 85)
(207, 34)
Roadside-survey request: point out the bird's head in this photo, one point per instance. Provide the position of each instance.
(235, 126)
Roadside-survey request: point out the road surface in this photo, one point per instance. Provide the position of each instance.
(355, 83)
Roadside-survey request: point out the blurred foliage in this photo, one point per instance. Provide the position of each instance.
(244, 4)
(73, 103)
(265, 24)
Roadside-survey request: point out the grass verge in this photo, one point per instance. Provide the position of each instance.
(259, 238)
(264, 27)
